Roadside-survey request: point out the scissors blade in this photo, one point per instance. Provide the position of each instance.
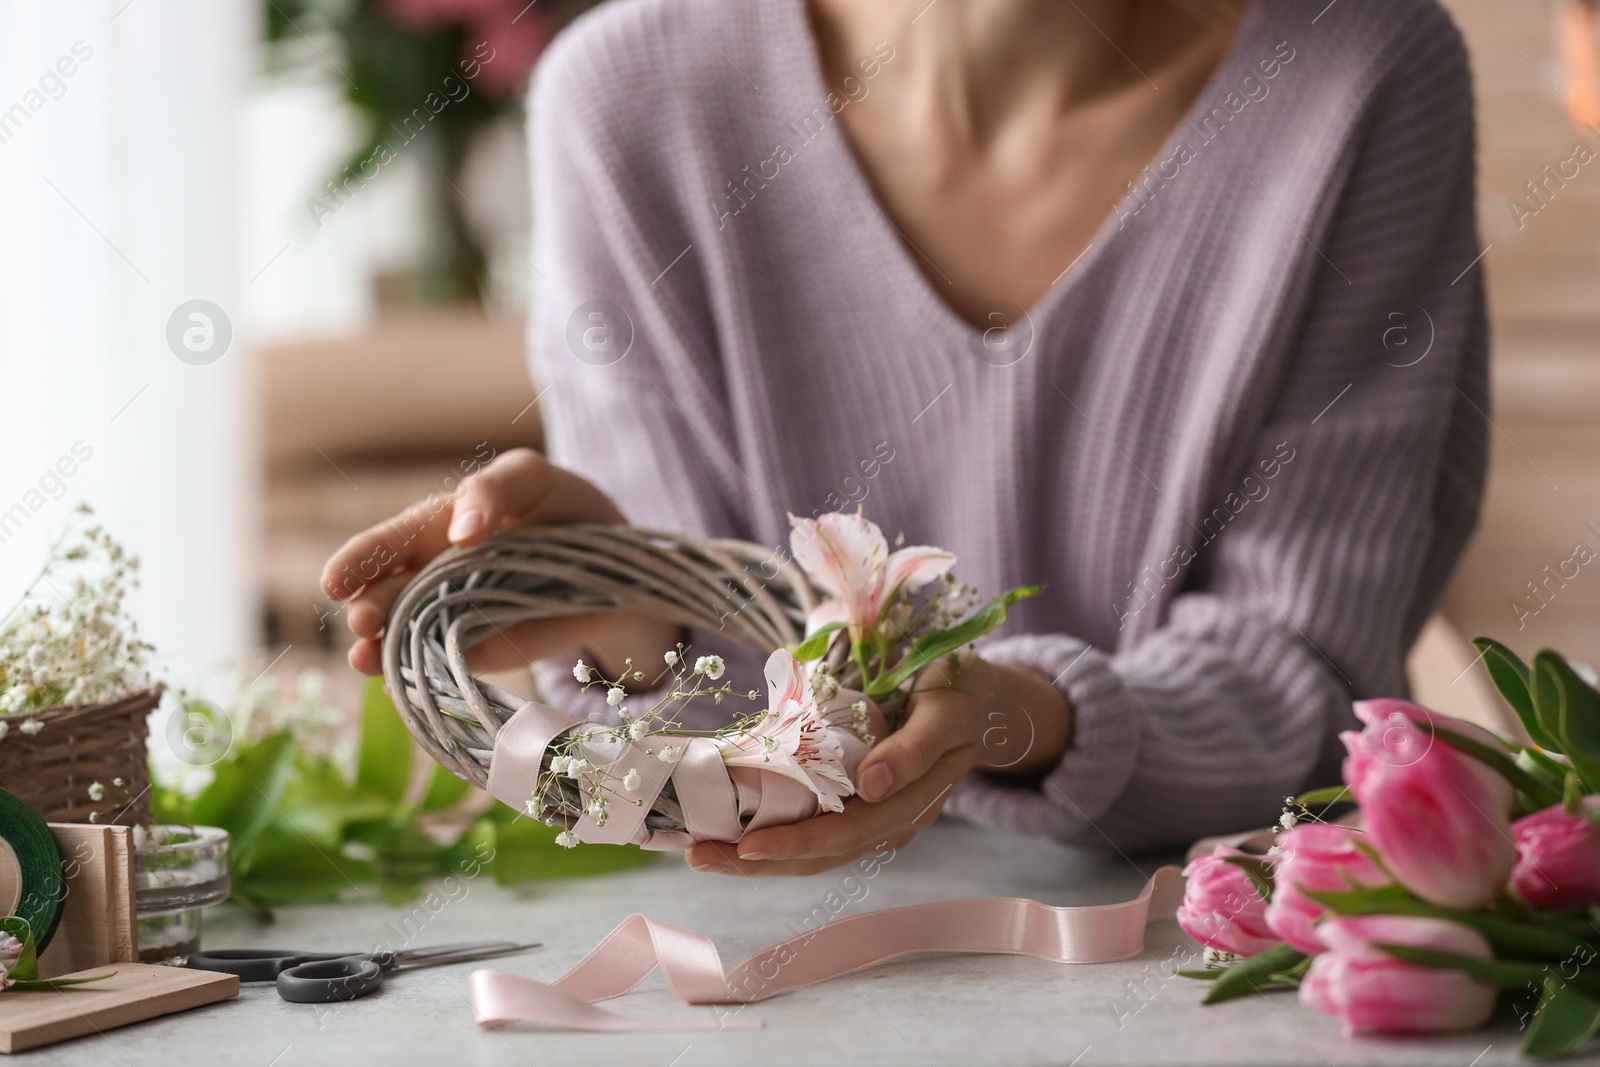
(439, 955)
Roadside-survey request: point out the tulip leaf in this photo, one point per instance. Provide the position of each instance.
(1545, 686)
(1502, 974)
(1258, 871)
(27, 965)
(1264, 970)
(1564, 1021)
(1510, 675)
(814, 646)
(1577, 716)
(1210, 974)
(1325, 797)
(931, 646)
(1508, 936)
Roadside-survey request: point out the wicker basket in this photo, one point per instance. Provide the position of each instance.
(78, 746)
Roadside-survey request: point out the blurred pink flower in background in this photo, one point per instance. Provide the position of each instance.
(1319, 857)
(1221, 908)
(1558, 858)
(1367, 989)
(1438, 816)
(515, 31)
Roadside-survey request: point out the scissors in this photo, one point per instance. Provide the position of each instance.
(321, 977)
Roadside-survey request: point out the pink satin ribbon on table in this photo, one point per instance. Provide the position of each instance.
(1100, 933)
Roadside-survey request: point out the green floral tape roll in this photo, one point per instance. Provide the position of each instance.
(32, 886)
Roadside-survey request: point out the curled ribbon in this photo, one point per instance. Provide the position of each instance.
(1099, 933)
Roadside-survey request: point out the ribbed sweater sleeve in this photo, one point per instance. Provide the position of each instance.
(1311, 595)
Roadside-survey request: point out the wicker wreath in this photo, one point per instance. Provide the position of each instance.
(753, 595)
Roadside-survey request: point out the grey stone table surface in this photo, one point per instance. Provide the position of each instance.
(924, 1011)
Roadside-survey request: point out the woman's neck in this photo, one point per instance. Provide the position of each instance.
(976, 66)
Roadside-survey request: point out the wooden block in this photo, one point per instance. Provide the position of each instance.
(137, 991)
(98, 923)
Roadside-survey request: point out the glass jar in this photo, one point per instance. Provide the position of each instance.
(180, 870)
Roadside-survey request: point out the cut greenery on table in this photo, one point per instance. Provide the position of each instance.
(304, 830)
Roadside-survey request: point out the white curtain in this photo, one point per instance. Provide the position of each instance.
(119, 130)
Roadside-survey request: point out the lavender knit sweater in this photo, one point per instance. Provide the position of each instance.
(1241, 441)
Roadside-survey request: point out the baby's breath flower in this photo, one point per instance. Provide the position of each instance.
(637, 729)
(582, 672)
(615, 695)
(576, 766)
(1287, 820)
(671, 658)
(32, 726)
(567, 839)
(710, 666)
(97, 792)
(630, 781)
(559, 764)
(670, 754)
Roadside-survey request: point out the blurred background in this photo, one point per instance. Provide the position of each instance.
(263, 279)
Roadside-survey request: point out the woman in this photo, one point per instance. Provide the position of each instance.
(1238, 434)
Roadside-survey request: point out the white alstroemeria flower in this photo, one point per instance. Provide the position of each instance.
(630, 781)
(847, 556)
(637, 729)
(710, 666)
(670, 754)
(615, 696)
(97, 792)
(792, 739)
(567, 839)
(582, 672)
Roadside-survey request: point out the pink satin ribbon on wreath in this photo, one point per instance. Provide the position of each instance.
(720, 804)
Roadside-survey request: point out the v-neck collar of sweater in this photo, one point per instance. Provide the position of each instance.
(801, 84)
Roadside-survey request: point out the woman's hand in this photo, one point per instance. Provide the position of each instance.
(1000, 719)
(519, 488)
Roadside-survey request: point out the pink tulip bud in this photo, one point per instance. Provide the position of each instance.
(1221, 908)
(1367, 989)
(1437, 815)
(1320, 858)
(1558, 858)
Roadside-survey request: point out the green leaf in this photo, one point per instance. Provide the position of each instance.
(1578, 716)
(1508, 936)
(815, 645)
(1502, 974)
(1258, 871)
(1211, 974)
(384, 763)
(1545, 688)
(526, 850)
(1256, 972)
(27, 967)
(1325, 797)
(286, 868)
(931, 646)
(445, 790)
(1564, 1021)
(1510, 676)
(244, 796)
(321, 804)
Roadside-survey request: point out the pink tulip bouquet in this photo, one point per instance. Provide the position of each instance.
(884, 616)
(1469, 878)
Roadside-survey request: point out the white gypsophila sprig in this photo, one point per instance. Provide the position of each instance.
(69, 639)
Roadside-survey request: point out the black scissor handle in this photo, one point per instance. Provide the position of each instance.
(323, 981)
(255, 964)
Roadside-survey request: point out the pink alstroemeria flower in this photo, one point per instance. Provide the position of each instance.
(792, 738)
(847, 556)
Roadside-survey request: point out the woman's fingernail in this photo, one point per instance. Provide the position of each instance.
(876, 781)
(755, 855)
(711, 868)
(464, 524)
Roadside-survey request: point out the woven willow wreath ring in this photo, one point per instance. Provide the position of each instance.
(745, 591)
